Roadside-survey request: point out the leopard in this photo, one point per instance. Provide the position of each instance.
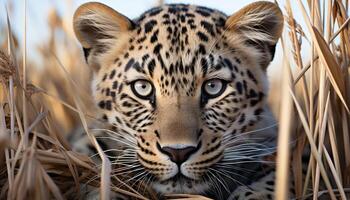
(184, 89)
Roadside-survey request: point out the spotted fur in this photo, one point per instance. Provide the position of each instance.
(177, 48)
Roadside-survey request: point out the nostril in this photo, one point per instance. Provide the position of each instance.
(178, 155)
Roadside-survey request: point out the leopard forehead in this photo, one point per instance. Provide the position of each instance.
(177, 46)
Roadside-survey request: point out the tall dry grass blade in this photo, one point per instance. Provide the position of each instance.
(10, 41)
(342, 27)
(106, 165)
(322, 133)
(333, 142)
(335, 175)
(283, 147)
(313, 146)
(24, 71)
(54, 189)
(296, 45)
(346, 140)
(3, 129)
(327, 58)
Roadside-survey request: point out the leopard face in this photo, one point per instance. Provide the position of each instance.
(185, 89)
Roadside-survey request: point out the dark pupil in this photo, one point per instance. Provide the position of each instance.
(212, 85)
(143, 86)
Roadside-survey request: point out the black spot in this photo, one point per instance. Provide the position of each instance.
(126, 55)
(86, 53)
(202, 36)
(138, 68)
(102, 104)
(190, 15)
(258, 111)
(157, 48)
(248, 193)
(157, 134)
(203, 13)
(238, 60)
(129, 64)
(111, 76)
(204, 65)
(242, 118)
(155, 11)
(252, 94)
(239, 87)
(141, 39)
(172, 9)
(202, 49)
(154, 37)
(251, 76)
(228, 63)
(115, 85)
(151, 66)
(141, 18)
(108, 91)
(270, 182)
(109, 105)
(209, 27)
(112, 94)
(149, 25)
(104, 77)
(104, 117)
(182, 18)
(220, 22)
(183, 30)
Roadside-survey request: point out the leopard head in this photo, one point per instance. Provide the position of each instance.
(185, 89)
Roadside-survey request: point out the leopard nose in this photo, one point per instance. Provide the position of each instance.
(179, 155)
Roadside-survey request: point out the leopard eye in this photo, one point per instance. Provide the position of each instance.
(142, 88)
(214, 87)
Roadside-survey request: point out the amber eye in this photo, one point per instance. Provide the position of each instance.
(142, 88)
(214, 87)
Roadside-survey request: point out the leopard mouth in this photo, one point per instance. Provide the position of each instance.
(180, 178)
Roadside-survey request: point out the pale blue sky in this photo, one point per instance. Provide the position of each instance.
(37, 12)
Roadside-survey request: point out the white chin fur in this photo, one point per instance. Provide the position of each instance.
(183, 187)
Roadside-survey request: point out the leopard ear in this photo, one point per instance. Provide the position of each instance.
(260, 24)
(98, 27)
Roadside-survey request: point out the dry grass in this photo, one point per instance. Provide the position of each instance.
(39, 105)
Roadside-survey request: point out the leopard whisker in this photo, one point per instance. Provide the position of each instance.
(125, 167)
(228, 176)
(122, 172)
(212, 181)
(219, 182)
(252, 131)
(127, 143)
(247, 161)
(230, 167)
(113, 133)
(136, 176)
